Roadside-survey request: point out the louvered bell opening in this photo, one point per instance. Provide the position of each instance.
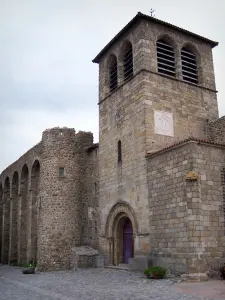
(113, 76)
(189, 66)
(128, 64)
(166, 58)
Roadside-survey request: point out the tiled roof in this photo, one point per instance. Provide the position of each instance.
(141, 16)
(92, 147)
(180, 143)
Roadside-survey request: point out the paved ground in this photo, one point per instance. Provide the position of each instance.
(94, 284)
(212, 289)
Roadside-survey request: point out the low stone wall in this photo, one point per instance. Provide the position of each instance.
(83, 257)
(175, 265)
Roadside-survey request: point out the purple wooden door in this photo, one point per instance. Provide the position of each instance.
(127, 241)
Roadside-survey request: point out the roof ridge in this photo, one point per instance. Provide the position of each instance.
(182, 142)
(149, 18)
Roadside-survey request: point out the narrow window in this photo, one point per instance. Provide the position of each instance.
(113, 80)
(119, 152)
(94, 189)
(189, 66)
(61, 172)
(128, 61)
(165, 58)
(96, 227)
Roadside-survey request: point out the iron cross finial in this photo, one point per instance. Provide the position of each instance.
(152, 12)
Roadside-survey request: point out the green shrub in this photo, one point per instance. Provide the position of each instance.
(25, 265)
(28, 264)
(155, 272)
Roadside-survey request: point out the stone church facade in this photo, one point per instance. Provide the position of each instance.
(152, 190)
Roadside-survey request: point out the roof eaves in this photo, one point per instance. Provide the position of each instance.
(140, 16)
(183, 142)
(92, 147)
(211, 42)
(116, 37)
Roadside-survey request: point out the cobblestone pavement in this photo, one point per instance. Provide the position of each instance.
(94, 284)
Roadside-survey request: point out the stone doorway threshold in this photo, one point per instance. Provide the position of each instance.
(124, 267)
(211, 289)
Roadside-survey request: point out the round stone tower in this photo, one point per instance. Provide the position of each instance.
(59, 205)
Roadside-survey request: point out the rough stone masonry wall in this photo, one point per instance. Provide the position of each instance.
(122, 118)
(16, 207)
(61, 195)
(88, 162)
(186, 217)
(169, 233)
(215, 130)
(190, 105)
(91, 220)
(209, 163)
(36, 203)
(127, 114)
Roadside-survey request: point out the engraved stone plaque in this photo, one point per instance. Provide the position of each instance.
(163, 123)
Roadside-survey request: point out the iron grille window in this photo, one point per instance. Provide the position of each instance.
(165, 58)
(128, 62)
(113, 74)
(189, 66)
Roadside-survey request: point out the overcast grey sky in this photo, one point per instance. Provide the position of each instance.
(47, 78)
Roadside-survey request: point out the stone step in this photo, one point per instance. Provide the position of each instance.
(119, 267)
(126, 266)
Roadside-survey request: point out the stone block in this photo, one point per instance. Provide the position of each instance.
(100, 261)
(83, 257)
(139, 262)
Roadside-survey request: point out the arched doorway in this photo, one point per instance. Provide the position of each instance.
(121, 229)
(123, 239)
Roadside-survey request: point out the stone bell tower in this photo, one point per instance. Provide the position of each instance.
(156, 86)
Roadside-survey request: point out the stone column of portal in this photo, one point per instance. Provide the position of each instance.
(59, 199)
